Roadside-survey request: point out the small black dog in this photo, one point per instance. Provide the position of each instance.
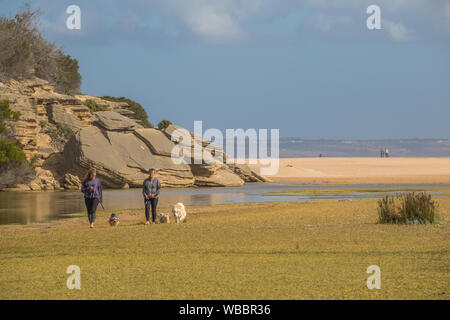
(114, 220)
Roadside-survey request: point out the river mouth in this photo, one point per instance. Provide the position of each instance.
(31, 207)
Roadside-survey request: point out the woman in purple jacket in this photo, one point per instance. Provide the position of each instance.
(92, 189)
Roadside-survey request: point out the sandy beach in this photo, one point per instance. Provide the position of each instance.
(362, 170)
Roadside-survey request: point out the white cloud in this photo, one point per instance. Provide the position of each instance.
(211, 23)
(397, 31)
(227, 20)
(388, 5)
(218, 20)
(326, 23)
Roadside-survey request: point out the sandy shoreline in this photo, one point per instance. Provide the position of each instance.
(362, 170)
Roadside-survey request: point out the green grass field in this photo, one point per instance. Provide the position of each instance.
(298, 250)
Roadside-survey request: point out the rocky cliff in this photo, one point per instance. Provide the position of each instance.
(64, 139)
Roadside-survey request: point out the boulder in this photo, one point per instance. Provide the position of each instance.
(44, 145)
(215, 176)
(156, 141)
(60, 115)
(247, 174)
(35, 186)
(18, 188)
(71, 182)
(197, 145)
(214, 172)
(113, 121)
(44, 181)
(121, 158)
(169, 130)
(124, 158)
(124, 112)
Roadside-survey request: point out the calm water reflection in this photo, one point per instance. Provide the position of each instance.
(29, 207)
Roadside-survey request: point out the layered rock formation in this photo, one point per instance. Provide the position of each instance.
(121, 158)
(64, 139)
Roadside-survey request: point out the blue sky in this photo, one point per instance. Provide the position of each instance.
(309, 68)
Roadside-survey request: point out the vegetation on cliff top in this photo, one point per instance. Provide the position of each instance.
(164, 124)
(139, 112)
(25, 53)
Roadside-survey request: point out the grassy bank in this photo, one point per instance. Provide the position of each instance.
(303, 250)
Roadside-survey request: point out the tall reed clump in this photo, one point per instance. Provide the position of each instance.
(409, 208)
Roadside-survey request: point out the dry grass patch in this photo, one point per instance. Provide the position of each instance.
(298, 250)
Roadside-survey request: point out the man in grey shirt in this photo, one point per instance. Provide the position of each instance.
(151, 191)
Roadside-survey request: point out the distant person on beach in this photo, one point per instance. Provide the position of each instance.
(386, 153)
(92, 189)
(381, 153)
(151, 190)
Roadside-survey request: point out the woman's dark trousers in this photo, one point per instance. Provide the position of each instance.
(91, 206)
(151, 203)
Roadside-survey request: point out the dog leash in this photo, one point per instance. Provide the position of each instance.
(98, 198)
(101, 203)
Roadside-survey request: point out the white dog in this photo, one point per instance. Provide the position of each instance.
(179, 212)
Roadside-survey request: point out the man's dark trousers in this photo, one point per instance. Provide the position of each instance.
(152, 202)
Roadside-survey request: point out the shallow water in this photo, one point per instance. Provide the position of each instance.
(29, 207)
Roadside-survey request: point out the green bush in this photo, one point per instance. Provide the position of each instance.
(409, 208)
(164, 124)
(43, 124)
(7, 114)
(139, 112)
(14, 167)
(387, 211)
(10, 154)
(32, 163)
(68, 76)
(13, 161)
(94, 107)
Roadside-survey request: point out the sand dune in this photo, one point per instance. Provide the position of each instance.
(362, 170)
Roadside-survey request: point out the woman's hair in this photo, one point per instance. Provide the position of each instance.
(90, 172)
